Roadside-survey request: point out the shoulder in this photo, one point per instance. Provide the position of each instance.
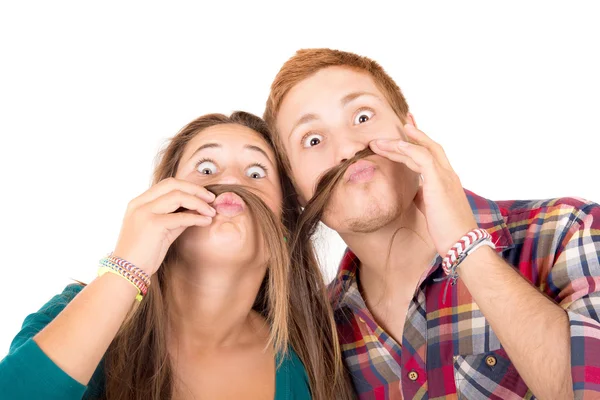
(548, 218)
(563, 206)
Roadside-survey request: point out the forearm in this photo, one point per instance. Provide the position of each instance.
(531, 327)
(78, 337)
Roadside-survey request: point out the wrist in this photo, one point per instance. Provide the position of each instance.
(482, 255)
(453, 238)
(467, 244)
(119, 287)
(137, 278)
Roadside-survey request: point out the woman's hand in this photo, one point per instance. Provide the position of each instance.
(151, 223)
(77, 339)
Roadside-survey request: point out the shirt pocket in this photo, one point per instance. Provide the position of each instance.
(489, 375)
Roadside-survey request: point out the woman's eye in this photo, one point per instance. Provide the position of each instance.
(256, 172)
(312, 140)
(363, 117)
(207, 168)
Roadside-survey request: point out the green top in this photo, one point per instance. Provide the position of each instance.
(27, 372)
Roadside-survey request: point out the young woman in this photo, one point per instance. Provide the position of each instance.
(199, 299)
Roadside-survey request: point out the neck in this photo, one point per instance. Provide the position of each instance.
(211, 306)
(393, 258)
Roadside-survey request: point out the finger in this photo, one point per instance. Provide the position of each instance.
(396, 157)
(183, 220)
(171, 201)
(420, 155)
(168, 185)
(419, 137)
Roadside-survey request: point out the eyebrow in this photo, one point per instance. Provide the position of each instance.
(306, 118)
(258, 149)
(354, 95)
(218, 146)
(205, 146)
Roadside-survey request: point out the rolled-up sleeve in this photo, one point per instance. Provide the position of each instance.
(575, 282)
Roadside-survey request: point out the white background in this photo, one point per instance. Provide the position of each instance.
(88, 93)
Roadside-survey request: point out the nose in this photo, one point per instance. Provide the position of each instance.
(348, 148)
(230, 179)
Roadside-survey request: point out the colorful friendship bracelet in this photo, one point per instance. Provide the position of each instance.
(465, 246)
(127, 271)
(130, 267)
(128, 274)
(136, 282)
(104, 270)
(105, 262)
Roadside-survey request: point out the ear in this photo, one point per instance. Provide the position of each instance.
(410, 119)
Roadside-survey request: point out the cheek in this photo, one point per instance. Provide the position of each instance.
(274, 200)
(402, 179)
(385, 128)
(190, 176)
(306, 176)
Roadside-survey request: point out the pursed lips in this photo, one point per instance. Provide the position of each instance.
(359, 172)
(229, 204)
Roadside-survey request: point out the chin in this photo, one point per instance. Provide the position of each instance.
(224, 241)
(370, 220)
(363, 210)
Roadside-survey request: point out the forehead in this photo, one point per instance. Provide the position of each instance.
(229, 136)
(327, 85)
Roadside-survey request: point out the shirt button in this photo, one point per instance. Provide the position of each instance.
(413, 375)
(490, 361)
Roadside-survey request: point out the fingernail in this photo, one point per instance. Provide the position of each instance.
(213, 211)
(402, 143)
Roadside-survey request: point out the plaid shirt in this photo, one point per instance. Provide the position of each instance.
(449, 350)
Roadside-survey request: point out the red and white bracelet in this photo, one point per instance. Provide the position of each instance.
(465, 246)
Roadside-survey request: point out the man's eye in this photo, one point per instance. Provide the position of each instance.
(206, 167)
(256, 172)
(312, 140)
(363, 116)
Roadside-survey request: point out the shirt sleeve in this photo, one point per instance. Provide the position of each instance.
(575, 278)
(27, 372)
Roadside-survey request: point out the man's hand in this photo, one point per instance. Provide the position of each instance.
(533, 329)
(441, 197)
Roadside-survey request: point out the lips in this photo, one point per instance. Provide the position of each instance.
(360, 171)
(229, 204)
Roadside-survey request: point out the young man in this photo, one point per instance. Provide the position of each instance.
(514, 316)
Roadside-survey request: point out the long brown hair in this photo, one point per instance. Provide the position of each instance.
(292, 297)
